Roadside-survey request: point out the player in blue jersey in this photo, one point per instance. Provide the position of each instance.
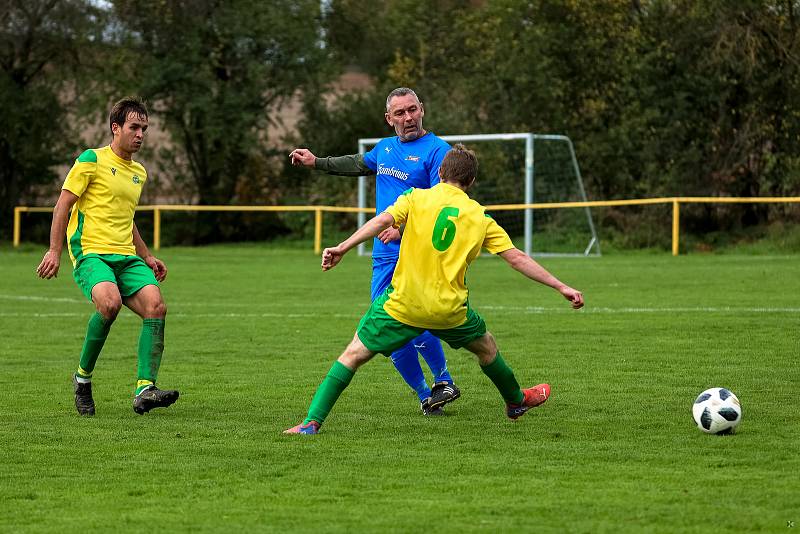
(410, 159)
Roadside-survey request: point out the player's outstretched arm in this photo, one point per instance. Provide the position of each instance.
(349, 165)
(158, 266)
(521, 262)
(302, 157)
(51, 261)
(333, 255)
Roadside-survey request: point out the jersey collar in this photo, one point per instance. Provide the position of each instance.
(453, 188)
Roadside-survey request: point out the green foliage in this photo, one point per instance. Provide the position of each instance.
(662, 97)
(613, 450)
(46, 55)
(214, 72)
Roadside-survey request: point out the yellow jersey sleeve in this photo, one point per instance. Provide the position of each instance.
(496, 240)
(401, 208)
(82, 173)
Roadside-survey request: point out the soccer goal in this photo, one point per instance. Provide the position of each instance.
(551, 174)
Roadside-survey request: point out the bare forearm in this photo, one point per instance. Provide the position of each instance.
(370, 229)
(519, 261)
(138, 243)
(58, 228)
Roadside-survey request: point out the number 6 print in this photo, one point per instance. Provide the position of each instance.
(444, 231)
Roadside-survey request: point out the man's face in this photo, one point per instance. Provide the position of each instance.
(405, 116)
(130, 135)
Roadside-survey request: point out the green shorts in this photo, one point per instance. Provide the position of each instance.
(130, 273)
(382, 333)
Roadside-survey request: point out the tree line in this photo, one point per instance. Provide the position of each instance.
(661, 97)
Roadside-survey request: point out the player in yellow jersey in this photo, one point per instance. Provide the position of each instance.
(445, 231)
(112, 264)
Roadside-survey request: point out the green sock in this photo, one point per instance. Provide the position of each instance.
(504, 380)
(151, 346)
(328, 392)
(96, 334)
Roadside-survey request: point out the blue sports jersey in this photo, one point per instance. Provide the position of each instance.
(400, 166)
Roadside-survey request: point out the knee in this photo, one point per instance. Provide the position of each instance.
(491, 344)
(354, 356)
(155, 309)
(109, 307)
(486, 358)
(485, 349)
(159, 309)
(351, 360)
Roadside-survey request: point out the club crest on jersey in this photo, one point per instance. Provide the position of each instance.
(412, 158)
(136, 179)
(113, 171)
(388, 149)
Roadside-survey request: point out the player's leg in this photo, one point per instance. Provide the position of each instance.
(97, 282)
(335, 382)
(144, 298)
(430, 347)
(473, 336)
(494, 366)
(107, 302)
(404, 359)
(518, 401)
(443, 390)
(377, 332)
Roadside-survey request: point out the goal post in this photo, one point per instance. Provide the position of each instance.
(592, 247)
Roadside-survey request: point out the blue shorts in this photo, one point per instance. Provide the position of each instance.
(382, 271)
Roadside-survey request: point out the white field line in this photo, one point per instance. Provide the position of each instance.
(194, 315)
(531, 310)
(641, 309)
(32, 298)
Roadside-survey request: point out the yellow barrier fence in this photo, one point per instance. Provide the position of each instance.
(319, 210)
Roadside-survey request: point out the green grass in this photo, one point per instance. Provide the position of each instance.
(252, 330)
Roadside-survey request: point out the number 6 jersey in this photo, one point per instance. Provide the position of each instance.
(445, 231)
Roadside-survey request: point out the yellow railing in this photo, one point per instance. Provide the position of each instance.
(319, 210)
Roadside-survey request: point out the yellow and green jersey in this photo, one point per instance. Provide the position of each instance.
(445, 231)
(108, 189)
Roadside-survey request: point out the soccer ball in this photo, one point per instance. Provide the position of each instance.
(717, 411)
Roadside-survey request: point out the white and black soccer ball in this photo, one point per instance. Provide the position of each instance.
(717, 411)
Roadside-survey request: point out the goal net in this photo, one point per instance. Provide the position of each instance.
(515, 171)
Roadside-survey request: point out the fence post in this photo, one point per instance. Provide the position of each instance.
(17, 211)
(676, 217)
(156, 228)
(317, 231)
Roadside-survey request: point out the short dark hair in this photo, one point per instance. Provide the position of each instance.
(120, 110)
(400, 91)
(460, 165)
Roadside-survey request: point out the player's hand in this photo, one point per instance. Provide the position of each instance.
(572, 295)
(331, 257)
(302, 157)
(389, 235)
(49, 266)
(159, 269)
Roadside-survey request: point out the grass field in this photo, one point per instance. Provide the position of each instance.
(251, 331)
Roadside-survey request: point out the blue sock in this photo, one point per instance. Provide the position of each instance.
(431, 349)
(406, 362)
